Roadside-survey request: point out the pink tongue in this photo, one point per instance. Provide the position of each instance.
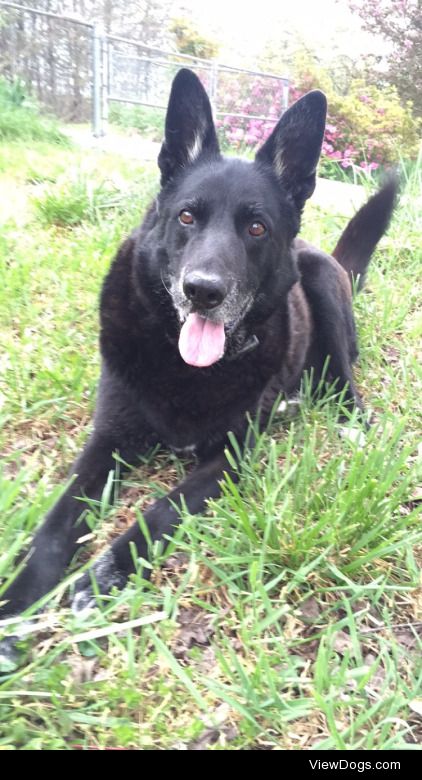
(201, 342)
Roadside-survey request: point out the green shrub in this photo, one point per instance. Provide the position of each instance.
(149, 121)
(367, 127)
(13, 93)
(70, 202)
(20, 117)
(374, 124)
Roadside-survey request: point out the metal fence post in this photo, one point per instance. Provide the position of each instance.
(213, 87)
(285, 95)
(105, 82)
(97, 125)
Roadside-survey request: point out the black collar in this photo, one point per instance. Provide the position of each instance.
(251, 343)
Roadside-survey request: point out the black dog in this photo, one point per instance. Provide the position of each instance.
(210, 310)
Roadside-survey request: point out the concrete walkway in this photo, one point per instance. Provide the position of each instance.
(339, 197)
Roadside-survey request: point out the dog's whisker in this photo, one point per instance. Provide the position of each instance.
(164, 284)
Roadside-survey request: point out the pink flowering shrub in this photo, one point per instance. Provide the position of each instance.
(369, 128)
(366, 129)
(236, 95)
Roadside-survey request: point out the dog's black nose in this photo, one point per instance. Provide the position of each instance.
(204, 291)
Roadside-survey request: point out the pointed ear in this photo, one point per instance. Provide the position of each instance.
(190, 130)
(294, 146)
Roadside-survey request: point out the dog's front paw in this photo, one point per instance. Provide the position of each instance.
(84, 599)
(99, 580)
(354, 435)
(13, 634)
(9, 655)
(290, 407)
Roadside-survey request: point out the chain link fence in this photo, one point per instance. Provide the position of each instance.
(76, 70)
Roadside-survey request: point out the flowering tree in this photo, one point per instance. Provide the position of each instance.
(400, 24)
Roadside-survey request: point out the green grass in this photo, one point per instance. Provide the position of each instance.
(21, 119)
(67, 202)
(149, 121)
(286, 616)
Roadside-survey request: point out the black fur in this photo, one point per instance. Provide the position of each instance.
(363, 232)
(285, 307)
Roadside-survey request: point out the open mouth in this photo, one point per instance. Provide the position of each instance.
(202, 339)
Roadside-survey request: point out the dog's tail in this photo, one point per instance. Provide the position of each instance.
(363, 232)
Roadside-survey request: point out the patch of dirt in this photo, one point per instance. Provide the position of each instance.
(196, 628)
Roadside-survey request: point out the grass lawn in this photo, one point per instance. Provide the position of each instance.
(288, 616)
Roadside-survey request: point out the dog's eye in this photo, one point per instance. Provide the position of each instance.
(257, 229)
(186, 218)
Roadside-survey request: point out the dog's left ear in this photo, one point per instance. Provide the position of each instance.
(190, 130)
(294, 146)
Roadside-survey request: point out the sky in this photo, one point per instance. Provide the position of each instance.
(244, 26)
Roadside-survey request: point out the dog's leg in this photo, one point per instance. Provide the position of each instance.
(328, 292)
(117, 563)
(57, 539)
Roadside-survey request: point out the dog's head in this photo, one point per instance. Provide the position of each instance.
(226, 225)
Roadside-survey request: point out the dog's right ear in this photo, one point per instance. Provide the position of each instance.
(294, 146)
(190, 130)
